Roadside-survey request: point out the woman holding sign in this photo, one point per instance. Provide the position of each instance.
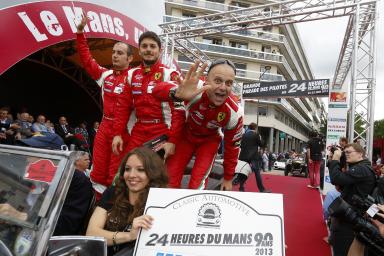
(119, 214)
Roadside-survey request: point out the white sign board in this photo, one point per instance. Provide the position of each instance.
(202, 223)
(336, 125)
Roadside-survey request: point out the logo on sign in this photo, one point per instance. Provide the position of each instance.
(209, 216)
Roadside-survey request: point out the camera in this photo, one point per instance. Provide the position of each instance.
(334, 148)
(366, 231)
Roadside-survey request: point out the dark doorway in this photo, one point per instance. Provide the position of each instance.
(42, 90)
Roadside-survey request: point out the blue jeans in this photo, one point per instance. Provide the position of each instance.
(256, 167)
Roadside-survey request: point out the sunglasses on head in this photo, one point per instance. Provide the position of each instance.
(220, 62)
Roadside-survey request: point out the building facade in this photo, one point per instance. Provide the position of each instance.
(273, 53)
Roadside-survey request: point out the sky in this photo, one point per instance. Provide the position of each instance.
(322, 42)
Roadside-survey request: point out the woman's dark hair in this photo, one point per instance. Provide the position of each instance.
(150, 35)
(122, 212)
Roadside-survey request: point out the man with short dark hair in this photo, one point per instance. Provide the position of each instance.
(154, 117)
(314, 155)
(112, 83)
(359, 179)
(250, 144)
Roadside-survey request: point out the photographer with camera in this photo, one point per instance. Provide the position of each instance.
(357, 248)
(359, 179)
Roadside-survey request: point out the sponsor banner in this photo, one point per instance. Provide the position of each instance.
(336, 125)
(30, 27)
(303, 88)
(202, 223)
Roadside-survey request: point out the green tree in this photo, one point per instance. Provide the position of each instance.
(359, 126)
(378, 129)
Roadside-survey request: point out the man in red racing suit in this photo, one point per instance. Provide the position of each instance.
(208, 112)
(113, 84)
(153, 117)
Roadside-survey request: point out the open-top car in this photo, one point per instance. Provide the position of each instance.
(297, 166)
(33, 186)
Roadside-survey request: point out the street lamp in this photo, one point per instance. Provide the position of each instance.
(266, 68)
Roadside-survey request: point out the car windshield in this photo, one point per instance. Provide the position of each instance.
(29, 179)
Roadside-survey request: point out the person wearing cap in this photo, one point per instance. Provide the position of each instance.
(210, 105)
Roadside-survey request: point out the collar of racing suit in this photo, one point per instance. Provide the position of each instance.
(152, 68)
(121, 72)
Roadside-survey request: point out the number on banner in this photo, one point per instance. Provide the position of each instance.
(296, 87)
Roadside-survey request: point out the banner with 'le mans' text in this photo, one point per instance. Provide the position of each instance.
(30, 27)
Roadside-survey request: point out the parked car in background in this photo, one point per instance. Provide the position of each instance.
(280, 164)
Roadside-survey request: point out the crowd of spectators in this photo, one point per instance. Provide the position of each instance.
(25, 130)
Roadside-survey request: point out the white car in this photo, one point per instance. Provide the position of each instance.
(280, 164)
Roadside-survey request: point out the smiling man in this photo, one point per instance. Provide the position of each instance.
(154, 117)
(209, 108)
(112, 83)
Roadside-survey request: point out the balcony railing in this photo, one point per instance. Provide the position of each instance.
(294, 112)
(205, 5)
(289, 69)
(240, 52)
(242, 73)
(278, 38)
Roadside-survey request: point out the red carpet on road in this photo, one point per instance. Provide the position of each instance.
(304, 225)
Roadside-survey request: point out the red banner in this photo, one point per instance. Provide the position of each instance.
(28, 28)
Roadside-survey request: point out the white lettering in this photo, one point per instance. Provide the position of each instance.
(106, 20)
(95, 23)
(51, 23)
(118, 26)
(32, 28)
(74, 17)
(138, 33)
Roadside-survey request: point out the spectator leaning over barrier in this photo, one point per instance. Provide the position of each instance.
(119, 214)
(359, 179)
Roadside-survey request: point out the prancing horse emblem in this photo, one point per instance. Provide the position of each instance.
(220, 116)
(157, 76)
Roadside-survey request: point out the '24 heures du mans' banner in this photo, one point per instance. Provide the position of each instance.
(30, 27)
(302, 88)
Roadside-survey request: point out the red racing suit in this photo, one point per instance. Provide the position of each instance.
(153, 117)
(113, 84)
(201, 138)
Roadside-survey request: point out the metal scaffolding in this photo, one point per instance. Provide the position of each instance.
(75, 73)
(357, 55)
